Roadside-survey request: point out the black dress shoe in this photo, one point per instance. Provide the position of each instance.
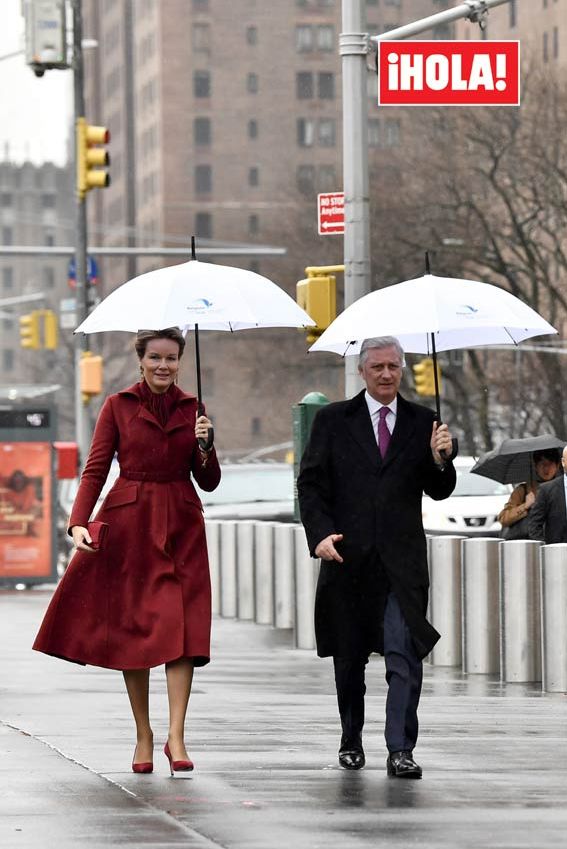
(351, 755)
(402, 765)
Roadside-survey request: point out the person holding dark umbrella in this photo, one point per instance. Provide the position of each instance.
(548, 517)
(514, 516)
(367, 464)
(144, 598)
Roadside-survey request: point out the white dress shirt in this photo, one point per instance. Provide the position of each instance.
(374, 408)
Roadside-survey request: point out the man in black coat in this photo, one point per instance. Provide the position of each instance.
(367, 464)
(547, 519)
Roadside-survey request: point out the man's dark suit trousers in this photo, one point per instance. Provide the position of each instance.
(404, 674)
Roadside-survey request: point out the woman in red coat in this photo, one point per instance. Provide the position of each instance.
(144, 599)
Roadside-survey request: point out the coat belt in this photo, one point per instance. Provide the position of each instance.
(154, 477)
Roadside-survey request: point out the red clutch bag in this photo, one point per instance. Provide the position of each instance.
(98, 532)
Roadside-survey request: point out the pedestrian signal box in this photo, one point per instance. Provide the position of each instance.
(303, 416)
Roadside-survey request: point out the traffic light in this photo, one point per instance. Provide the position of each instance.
(424, 377)
(91, 375)
(50, 330)
(317, 295)
(91, 160)
(30, 330)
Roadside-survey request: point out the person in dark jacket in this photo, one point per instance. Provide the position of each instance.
(362, 477)
(548, 517)
(144, 598)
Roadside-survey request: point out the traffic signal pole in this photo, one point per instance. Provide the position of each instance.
(82, 428)
(355, 45)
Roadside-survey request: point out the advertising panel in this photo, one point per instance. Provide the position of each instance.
(26, 525)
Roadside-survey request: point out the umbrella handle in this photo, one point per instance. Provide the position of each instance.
(450, 455)
(206, 444)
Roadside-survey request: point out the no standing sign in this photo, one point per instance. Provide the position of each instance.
(331, 213)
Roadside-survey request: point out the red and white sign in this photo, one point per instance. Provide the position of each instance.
(447, 73)
(331, 213)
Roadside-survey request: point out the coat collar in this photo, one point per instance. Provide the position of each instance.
(181, 416)
(360, 425)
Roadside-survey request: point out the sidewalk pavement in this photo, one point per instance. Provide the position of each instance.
(263, 733)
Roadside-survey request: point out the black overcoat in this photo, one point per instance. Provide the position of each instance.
(345, 487)
(547, 519)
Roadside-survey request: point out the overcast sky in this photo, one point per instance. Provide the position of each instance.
(35, 113)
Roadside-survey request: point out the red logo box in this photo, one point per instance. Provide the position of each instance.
(331, 213)
(448, 73)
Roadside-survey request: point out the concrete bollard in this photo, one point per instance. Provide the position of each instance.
(228, 605)
(306, 574)
(212, 530)
(480, 603)
(245, 597)
(554, 617)
(445, 610)
(264, 572)
(520, 606)
(284, 575)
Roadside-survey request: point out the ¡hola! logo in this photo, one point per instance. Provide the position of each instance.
(447, 73)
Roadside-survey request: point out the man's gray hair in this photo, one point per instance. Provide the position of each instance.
(380, 342)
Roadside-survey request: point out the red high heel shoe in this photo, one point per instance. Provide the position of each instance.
(177, 766)
(145, 767)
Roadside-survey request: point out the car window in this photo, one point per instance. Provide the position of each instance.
(251, 484)
(475, 485)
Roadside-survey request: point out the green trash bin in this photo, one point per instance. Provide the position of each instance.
(303, 415)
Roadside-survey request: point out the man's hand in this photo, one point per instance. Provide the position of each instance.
(440, 441)
(326, 549)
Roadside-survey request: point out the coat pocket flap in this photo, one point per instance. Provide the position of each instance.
(192, 498)
(125, 495)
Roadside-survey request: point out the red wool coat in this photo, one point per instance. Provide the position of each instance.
(145, 599)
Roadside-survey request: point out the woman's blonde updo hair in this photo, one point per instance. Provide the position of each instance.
(145, 336)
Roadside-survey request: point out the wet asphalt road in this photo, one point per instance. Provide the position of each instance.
(263, 733)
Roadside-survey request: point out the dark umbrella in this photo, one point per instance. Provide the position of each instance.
(512, 461)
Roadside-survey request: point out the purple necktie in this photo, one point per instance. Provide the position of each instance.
(384, 434)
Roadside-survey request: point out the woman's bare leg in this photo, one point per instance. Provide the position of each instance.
(179, 677)
(138, 688)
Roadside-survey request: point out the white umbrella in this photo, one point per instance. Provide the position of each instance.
(444, 312)
(433, 314)
(196, 296)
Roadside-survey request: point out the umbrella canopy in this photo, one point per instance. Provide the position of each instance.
(512, 461)
(196, 294)
(434, 313)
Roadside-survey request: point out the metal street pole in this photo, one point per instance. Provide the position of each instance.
(81, 292)
(354, 49)
(355, 44)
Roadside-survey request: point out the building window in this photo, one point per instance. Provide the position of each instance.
(49, 240)
(5, 200)
(254, 176)
(251, 35)
(306, 132)
(49, 278)
(304, 85)
(326, 85)
(6, 236)
(326, 38)
(256, 426)
(392, 132)
(8, 359)
(555, 42)
(200, 5)
(252, 83)
(252, 128)
(513, 13)
(306, 179)
(254, 266)
(203, 178)
(204, 225)
(373, 132)
(7, 278)
(327, 178)
(304, 39)
(8, 324)
(48, 201)
(327, 135)
(545, 47)
(201, 84)
(253, 225)
(201, 38)
(202, 131)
